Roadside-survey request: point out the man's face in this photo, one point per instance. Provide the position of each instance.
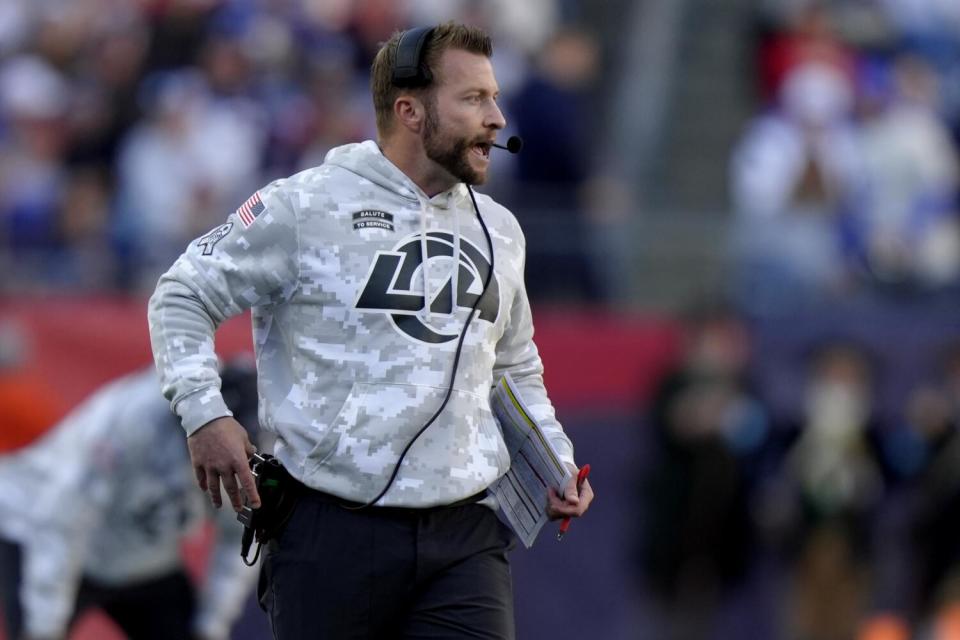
(462, 116)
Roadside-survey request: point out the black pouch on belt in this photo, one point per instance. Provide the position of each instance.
(278, 498)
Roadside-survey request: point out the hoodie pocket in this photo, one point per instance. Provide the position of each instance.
(373, 425)
(462, 447)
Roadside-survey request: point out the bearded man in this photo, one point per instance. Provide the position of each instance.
(384, 311)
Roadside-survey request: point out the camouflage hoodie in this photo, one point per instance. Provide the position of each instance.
(351, 361)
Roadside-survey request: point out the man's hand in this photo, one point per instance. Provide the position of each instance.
(572, 503)
(219, 451)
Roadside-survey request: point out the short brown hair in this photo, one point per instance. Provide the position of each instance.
(450, 35)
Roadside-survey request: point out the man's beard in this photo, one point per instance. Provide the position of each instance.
(451, 154)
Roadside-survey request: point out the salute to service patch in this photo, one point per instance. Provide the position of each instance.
(250, 209)
(372, 219)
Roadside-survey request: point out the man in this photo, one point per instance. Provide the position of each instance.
(364, 276)
(93, 514)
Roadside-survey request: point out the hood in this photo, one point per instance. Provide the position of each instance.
(366, 160)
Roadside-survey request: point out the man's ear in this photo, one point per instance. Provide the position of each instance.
(410, 113)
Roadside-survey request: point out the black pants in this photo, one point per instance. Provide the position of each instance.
(158, 609)
(386, 573)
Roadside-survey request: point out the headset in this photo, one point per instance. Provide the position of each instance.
(409, 71)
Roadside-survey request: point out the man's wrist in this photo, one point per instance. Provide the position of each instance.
(199, 409)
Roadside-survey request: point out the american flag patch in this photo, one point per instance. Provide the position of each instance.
(250, 209)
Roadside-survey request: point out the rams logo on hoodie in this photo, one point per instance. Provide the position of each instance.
(399, 283)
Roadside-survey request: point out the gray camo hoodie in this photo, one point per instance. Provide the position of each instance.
(355, 336)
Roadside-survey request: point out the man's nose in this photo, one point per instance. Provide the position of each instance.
(495, 119)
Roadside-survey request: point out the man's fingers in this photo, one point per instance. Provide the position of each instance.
(563, 506)
(219, 451)
(201, 478)
(586, 494)
(213, 487)
(557, 507)
(233, 490)
(249, 487)
(566, 511)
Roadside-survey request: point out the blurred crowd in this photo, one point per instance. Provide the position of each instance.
(128, 127)
(826, 517)
(847, 179)
(801, 479)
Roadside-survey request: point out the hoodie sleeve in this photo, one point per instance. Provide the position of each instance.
(251, 260)
(517, 355)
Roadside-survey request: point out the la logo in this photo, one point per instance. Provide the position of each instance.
(390, 286)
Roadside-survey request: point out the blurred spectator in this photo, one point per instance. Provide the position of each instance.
(333, 115)
(185, 166)
(926, 457)
(831, 487)
(931, 28)
(105, 97)
(795, 174)
(889, 218)
(808, 36)
(710, 433)
(178, 30)
(93, 515)
(907, 233)
(551, 112)
(34, 99)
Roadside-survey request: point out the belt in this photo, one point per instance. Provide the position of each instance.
(350, 504)
(304, 490)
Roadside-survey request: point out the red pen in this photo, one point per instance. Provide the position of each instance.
(581, 476)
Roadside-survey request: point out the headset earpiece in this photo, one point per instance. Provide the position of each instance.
(409, 72)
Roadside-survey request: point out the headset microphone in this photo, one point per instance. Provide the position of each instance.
(514, 144)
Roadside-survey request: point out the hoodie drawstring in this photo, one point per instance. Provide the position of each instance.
(424, 258)
(455, 278)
